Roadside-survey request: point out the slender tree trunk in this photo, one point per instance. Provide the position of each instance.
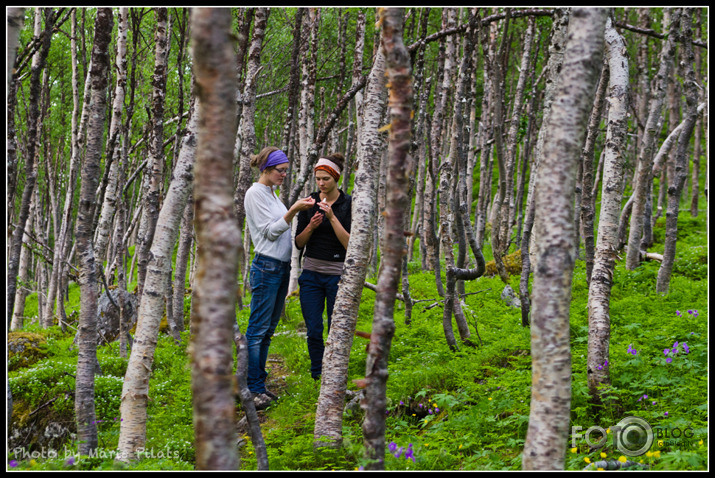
(217, 234)
(248, 130)
(588, 212)
(114, 141)
(556, 49)
(33, 134)
(400, 168)
(599, 292)
(546, 438)
(329, 414)
(135, 391)
(447, 208)
(87, 330)
(677, 180)
(150, 199)
(645, 159)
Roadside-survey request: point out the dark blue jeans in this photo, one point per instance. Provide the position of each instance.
(316, 291)
(269, 285)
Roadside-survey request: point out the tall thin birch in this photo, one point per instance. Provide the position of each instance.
(680, 169)
(329, 415)
(400, 168)
(643, 176)
(87, 330)
(599, 292)
(546, 437)
(135, 391)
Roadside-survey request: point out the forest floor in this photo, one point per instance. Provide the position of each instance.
(464, 410)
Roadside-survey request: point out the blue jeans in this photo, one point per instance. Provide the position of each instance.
(316, 290)
(269, 284)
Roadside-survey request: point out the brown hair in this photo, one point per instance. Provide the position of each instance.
(258, 160)
(338, 159)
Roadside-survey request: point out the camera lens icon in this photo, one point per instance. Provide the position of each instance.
(634, 436)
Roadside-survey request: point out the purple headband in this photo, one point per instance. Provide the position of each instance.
(275, 158)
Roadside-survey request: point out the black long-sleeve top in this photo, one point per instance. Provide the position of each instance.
(323, 243)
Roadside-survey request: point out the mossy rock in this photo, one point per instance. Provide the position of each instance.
(25, 349)
(512, 262)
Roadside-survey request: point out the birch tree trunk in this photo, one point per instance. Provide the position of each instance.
(447, 207)
(217, 233)
(599, 292)
(588, 211)
(87, 330)
(113, 188)
(150, 200)
(677, 180)
(545, 445)
(400, 168)
(33, 134)
(135, 391)
(248, 130)
(556, 52)
(643, 176)
(329, 415)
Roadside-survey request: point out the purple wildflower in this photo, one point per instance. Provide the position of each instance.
(686, 348)
(669, 359)
(665, 351)
(392, 446)
(13, 463)
(677, 312)
(666, 414)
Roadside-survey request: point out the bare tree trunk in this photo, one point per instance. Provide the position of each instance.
(136, 381)
(182, 258)
(695, 178)
(87, 330)
(447, 208)
(217, 233)
(33, 134)
(113, 188)
(329, 414)
(546, 438)
(599, 292)
(248, 131)
(150, 198)
(556, 49)
(400, 168)
(588, 211)
(677, 180)
(645, 159)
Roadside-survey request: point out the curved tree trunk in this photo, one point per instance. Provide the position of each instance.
(546, 438)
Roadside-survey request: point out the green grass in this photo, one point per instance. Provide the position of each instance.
(463, 410)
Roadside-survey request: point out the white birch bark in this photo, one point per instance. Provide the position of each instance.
(546, 438)
(643, 176)
(109, 205)
(217, 232)
(135, 391)
(87, 331)
(599, 292)
(329, 414)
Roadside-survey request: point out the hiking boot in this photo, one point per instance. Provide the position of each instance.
(271, 394)
(261, 400)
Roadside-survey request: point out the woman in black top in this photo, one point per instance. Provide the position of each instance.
(324, 232)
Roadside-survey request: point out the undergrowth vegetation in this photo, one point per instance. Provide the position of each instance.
(464, 410)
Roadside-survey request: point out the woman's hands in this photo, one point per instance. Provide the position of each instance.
(326, 209)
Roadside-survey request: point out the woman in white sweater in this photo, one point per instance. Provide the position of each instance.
(269, 223)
